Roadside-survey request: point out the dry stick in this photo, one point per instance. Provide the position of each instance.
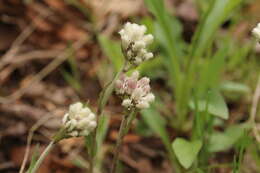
(15, 46)
(19, 40)
(36, 54)
(39, 123)
(255, 102)
(44, 72)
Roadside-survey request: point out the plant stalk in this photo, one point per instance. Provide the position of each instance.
(122, 132)
(103, 98)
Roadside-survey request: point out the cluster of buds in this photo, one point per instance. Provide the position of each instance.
(79, 121)
(256, 32)
(135, 93)
(134, 43)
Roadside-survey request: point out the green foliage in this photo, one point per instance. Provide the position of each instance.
(168, 32)
(216, 14)
(216, 105)
(113, 51)
(186, 151)
(34, 158)
(234, 87)
(102, 129)
(220, 141)
(158, 125)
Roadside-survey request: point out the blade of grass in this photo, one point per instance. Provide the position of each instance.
(217, 13)
(169, 34)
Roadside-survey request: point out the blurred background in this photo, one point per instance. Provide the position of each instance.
(56, 52)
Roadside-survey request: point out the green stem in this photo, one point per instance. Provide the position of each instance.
(42, 157)
(130, 119)
(124, 128)
(119, 142)
(102, 101)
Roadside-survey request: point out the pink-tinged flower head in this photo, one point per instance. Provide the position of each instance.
(136, 92)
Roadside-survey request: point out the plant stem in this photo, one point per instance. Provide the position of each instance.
(42, 157)
(121, 135)
(130, 119)
(102, 101)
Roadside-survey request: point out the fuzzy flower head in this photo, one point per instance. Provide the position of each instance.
(136, 93)
(79, 121)
(256, 32)
(135, 42)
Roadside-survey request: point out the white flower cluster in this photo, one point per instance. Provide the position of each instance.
(79, 121)
(136, 92)
(256, 32)
(134, 43)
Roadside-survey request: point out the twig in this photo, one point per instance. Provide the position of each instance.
(255, 102)
(29, 139)
(43, 73)
(15, 46)
(37, 54)
(6, 165)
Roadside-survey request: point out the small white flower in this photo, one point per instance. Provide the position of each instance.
(256, 32)
(136, 92)
(79, 121)
(135, 42)
(127, 103)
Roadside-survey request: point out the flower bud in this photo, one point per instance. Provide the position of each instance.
(135, 42)
(79, 121)
(256, 32)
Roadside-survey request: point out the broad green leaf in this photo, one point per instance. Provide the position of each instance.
(113, 51)
(234, 87)
(211, 71)
(217, 13)
(222, 141)
(216, 105)
(186, 151)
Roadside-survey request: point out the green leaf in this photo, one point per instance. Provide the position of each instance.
(157, 123)
(35, 156)
(234, 87)
(102, 129)
(71, 80)
(186, 151)
(113, 51)
(216, 105)
(168, 32)
(210, 72)
(218, 12)
(222, 141)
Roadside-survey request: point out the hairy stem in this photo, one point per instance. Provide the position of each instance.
(119, 142)
(103, 98)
